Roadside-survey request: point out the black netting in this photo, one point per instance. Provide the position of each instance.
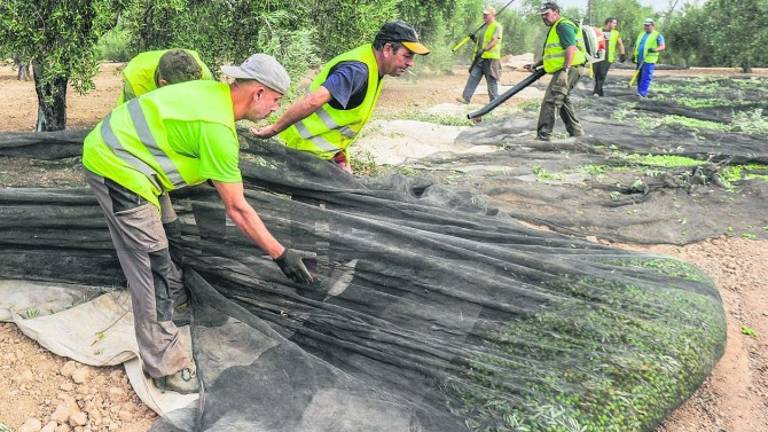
(433, 311)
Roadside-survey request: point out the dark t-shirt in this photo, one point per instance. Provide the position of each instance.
(348, 84)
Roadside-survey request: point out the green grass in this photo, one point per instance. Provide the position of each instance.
(544, 175)
(440, 119)
(734, 173)
(531, 105)
(363, 164)
(667, 161)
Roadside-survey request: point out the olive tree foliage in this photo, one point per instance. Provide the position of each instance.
(227, 31)
(59, 38)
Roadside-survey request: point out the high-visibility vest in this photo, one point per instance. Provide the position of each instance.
(139, 73)
(554, 54)
(651, 42)
(328, 130)
(131, 146)
(495, 52)
(613, 42)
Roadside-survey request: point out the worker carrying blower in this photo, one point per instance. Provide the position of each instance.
(564, 58)
(177, 136)
(486, 59)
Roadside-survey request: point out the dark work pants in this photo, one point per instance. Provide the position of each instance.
(601, 72)
(557, 100)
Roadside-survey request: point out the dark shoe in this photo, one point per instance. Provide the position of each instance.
(543, 138)
(183, 381)
(577, 133)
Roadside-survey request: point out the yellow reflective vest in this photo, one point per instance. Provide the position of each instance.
(131, 145)
(554, 53)
(613, 42)
(328, 130)
(495, 52)
(139, 73)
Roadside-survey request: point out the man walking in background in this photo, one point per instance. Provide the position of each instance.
(327, 121)
(486, 59)
(648, 45)
(153, 69)
(564, 58)
(173, 137)
(613, 43)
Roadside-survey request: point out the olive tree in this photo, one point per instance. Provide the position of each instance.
(59, 38)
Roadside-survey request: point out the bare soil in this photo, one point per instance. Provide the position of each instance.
(733, 399)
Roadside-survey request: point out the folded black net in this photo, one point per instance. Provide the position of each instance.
(432, 310)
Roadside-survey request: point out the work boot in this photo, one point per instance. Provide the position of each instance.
(183, 381)
(461, 100)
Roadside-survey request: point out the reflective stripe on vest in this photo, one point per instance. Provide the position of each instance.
(328, 131)
(554, 53)
(651, 42)
(146, 138)
(114, 144)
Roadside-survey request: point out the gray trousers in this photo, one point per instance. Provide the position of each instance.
(491, 70)
(557, 100)
(154, 281)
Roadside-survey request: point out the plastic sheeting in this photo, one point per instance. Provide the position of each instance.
(433, 311)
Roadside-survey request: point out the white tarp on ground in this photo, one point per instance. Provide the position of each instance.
(98, 332)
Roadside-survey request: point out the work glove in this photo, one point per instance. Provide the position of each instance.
(472, 37)
(291, 262)
(651, 50)
(622, 58)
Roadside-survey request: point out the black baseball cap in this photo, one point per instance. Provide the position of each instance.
(402, 32)
(548, 6)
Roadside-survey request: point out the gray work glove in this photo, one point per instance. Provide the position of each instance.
(291, 262)
(651, 50)
(622, 58)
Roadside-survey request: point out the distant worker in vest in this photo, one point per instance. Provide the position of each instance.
(180, 135)
(648, 45)
(613, 43)
(564, 58)
(327, 121)
(154, 69)
(486, 59)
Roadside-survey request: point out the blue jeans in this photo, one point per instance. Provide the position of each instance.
(484, 68)
(644, 80)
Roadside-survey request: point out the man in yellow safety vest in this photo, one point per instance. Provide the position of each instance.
(154, 69)
(486, 59)
(613, 43)
(564, 58)
(327, 121)
(177, 136)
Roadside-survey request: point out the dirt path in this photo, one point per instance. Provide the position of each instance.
(734, 399)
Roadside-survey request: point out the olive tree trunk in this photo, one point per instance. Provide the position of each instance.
(51, 101)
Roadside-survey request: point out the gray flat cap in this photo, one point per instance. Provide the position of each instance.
(263, 68)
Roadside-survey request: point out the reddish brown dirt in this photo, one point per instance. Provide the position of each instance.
(36, 384)
(733, 399)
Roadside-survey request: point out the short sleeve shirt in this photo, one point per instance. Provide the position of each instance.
(567, 34)
(213, 144)
(348, 84)
(641, 47)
